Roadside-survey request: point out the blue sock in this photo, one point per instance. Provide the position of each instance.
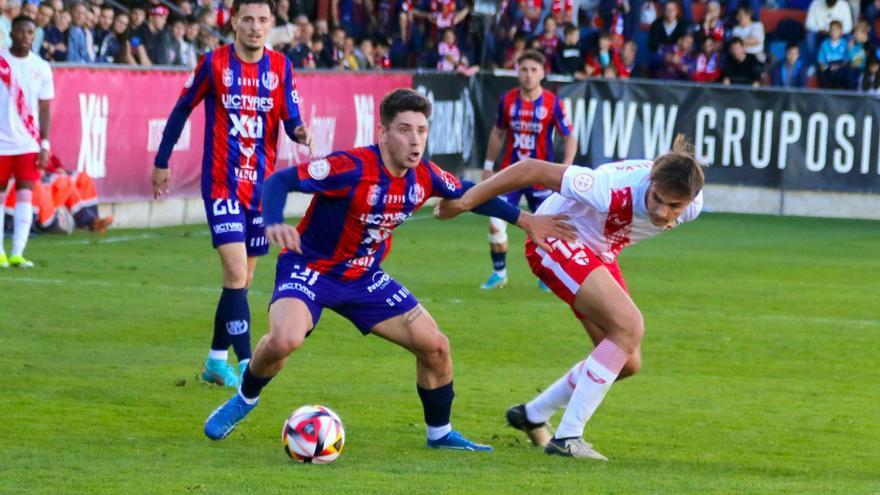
(233, 323)
(499, 261)
(437, 404)
(252, 385)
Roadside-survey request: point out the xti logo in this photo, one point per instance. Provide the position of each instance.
(524, 141)
(246, 126)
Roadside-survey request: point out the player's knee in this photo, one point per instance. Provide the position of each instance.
(236, 277)
(437, 351)
(629, 328)
(284, 341)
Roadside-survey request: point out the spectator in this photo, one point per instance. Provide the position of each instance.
(531, 16)
(569, 57)
(562, 11)
(80, 40)
(707, 66)
(349, 61)
(55, 40)
(819, 18)
(741, 67)
(105, 24)
(629, 65)
(549, 43)
(383, 54)
(282, 13)
(193, 29)
(365, 54)
(834, 59)
(675, 60)
(751, 32)
(45, 12)
(602, 57)
(177, 32)
(300, 51)
(319, 52)
(666, 30)
(711, 27)
(609, 72)
(858, 49)
(138, 15)
(333, 54)
(9, 10)
(613, 14)
(29, 10)
(869, 82)
(871, 14)
(516, 49)
(116, 47)
(151, 42)
(791, 72)
(442, 14)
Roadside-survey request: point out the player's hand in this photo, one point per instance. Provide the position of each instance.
(285, 235)
(487, 174)
(43, 159)
(161, 180)
(449, 208)
(541, 227)
(304, 137)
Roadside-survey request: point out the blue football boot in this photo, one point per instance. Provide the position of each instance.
(221, 373)
(225, 418)
(454, 441)
(494, 282)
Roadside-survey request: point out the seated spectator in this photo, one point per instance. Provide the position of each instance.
(105, 23)
(80, 40)
(750, 31)
(137, 15)
(712, 25)
(515, 50)
(707, 64)
(869, 82)
(43, 19)
(602, 57)
(676, 60)
(383, 55)
(549, 43)
(665, 31)
(193, 29)
(55, 40)
(349, 60)
(834, 59)
(858, 49)
(116, 48)
(562, 12)
(790, 72)
(441, 14)
(177, 32)
(531, 16)
(741, 67)
(629, 65)
(569, 57)
(151, 43)
(365, 54)
(319, 52)
(819, 18)
(609, 72)
(332, 54)
(612, 14)
(300, 50)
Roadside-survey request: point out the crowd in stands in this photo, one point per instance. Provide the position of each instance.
(690, 40)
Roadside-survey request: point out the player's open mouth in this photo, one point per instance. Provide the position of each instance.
(414, 156)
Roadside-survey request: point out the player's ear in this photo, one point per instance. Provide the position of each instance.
(383, 133)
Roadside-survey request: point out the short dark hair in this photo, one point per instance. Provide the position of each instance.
(533, 55)
(678, 171)
(569, 28)
(403, 100)
(832, 23)
(22, 18)
(734, 41)
(792, 44)
(236, 4)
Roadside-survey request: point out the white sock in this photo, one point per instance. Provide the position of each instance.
(555, 397)
(221, 355)
(501, 273)
(2, 219)
(23, 217)
(247, 401)
(595, 380)
(438, 432)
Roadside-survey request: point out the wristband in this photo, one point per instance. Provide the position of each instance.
(489, 165)
(44, 145)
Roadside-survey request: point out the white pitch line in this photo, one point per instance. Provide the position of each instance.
(121, 238)
(104, 283)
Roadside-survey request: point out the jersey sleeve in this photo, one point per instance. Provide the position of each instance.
(334, 176)
(290, 113)
(560, 120)
(443, 184)
(587, 186)
(194, 90)
(198, 85)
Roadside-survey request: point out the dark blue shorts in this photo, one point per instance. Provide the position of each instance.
(367, 301)
(534, 197)
(229, 223)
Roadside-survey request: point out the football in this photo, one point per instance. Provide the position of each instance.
(313, 435)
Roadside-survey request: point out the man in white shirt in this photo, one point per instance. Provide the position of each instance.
(26, 90)
(819, 18)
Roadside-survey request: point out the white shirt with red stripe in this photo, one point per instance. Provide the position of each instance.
(33, 77)
(607, 205)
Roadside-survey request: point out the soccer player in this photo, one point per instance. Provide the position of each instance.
(26, 91)
(611, 207)
(249, 92)
(333, 260)
(523, 128)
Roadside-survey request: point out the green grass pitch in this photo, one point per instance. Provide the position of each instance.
(760, 369)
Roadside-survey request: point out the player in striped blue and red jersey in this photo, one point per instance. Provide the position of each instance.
(249, 93)
(523, 129)
(333, 260)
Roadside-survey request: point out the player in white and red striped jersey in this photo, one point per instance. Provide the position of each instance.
(26, 91)
(611, 207)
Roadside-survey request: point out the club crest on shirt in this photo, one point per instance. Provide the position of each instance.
(583, 182)
(373, 195)
(319, 169)
(269, 80)
(227, 77)
(416, 194)
(541, 113)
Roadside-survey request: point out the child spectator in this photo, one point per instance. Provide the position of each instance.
(791, 72)
(707, 66)
(834, 59)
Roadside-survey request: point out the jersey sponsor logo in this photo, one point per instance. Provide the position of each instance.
(227, 227)
(380, 281)
(189, 81)
(227, 77)
(246, 171)
(596, 378)
(247, 102)
(237, 327)
(384, 219)
(373, 195)
(252, 82)
(416, 194)
(541, 113)
(269, 80)
(523, 141)
(298, 287)
(523, 113)
(246, 126)
(362, 262)
(319, 169)
(583, 182)
(526, 126)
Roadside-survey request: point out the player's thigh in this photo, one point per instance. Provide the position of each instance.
(610, 308)
(24, 168)
(5, 171)
(415, 331)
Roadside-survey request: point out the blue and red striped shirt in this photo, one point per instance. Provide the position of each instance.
(529, 125)
(245, 104)
(357, 203)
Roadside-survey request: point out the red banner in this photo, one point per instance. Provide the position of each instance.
(108, 122)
